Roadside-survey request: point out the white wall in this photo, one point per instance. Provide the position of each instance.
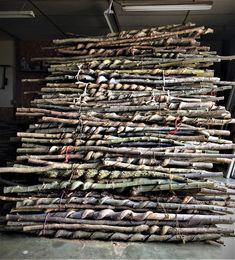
(7, 57)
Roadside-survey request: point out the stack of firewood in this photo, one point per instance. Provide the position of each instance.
(126, 142)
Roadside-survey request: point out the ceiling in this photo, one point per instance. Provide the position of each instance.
(85, 17)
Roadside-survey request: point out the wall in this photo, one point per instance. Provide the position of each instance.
(11, 53)
(7, 110)
(231, 72)
(215, 45)
(230, 76)
(28, 50)
(7, 57)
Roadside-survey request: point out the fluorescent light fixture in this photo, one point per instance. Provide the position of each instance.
(197, 6)
(17, 14)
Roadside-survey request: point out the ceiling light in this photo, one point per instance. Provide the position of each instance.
(17, 14)
(199, 6)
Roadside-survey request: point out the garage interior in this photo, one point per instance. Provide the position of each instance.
(24, 38)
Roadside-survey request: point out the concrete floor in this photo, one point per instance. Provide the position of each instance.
(17, 246)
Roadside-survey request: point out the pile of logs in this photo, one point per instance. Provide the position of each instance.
(126, 143)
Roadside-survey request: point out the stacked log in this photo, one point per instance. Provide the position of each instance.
(127, 139)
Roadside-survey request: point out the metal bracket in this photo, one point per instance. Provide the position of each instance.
(3, 78)
(110, 18)
(231, 169)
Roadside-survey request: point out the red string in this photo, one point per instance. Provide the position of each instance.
(67, 153)
(177, 123)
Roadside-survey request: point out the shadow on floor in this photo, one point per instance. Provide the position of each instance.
(21, 246)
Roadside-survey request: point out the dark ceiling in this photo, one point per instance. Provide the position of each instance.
(85, 17)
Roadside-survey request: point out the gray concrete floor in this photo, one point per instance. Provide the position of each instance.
(17, 246)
